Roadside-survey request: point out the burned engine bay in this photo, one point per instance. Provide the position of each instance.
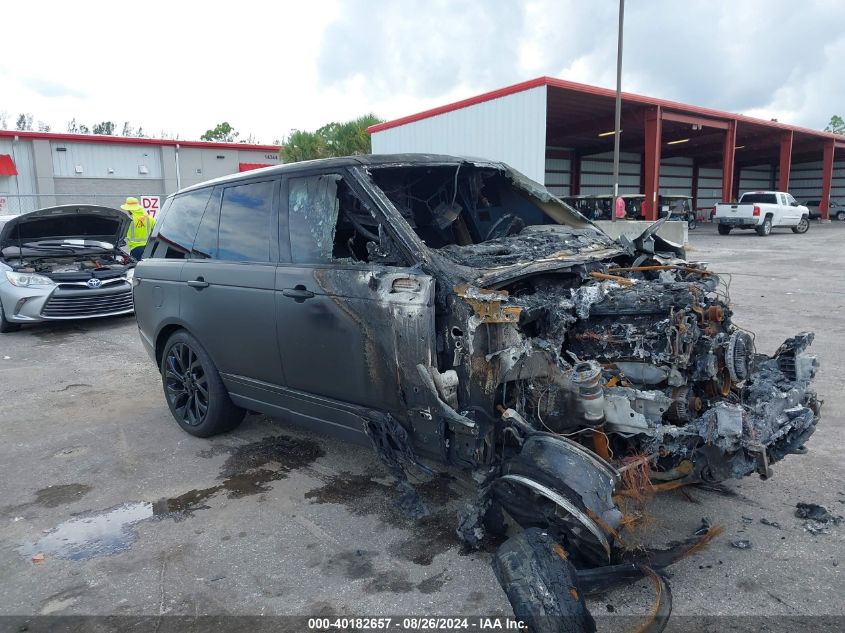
(571, 368)
(543, 323)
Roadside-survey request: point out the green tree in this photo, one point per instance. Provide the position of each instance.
(836, 125)
(221, 132)
(105, 128)
(43, 126)
(24, 122)
(72, 126)
(128, 130)
(83, 129)
(3, 121)
(333, 139)
(301, 145)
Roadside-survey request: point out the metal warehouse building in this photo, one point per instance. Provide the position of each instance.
(39, 169)
(561, 133)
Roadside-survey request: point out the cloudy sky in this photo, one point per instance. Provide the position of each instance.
(181, 67)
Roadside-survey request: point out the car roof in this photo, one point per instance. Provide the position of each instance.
(367, 160)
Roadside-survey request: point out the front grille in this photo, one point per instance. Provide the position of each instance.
(68, 307)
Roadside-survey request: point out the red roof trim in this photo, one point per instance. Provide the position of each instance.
(129, 140)
(601, 92)
(7, 166)
(251, 166)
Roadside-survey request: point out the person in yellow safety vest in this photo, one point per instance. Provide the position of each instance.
(140, 228)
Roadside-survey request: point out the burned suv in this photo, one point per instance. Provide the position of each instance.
(452, 310)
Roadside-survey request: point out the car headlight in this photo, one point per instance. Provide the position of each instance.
(25, 280)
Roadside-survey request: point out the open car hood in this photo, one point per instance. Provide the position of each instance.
(71, 221)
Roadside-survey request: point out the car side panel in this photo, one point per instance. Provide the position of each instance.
(156, 296)
(233, 317)
(347, 340)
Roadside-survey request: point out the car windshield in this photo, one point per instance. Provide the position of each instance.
(464, 204)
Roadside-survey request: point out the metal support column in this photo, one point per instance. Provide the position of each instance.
(651, 163)
(827, 177)
(728, 151)
(785, 163)
(575, 174)
(694, 184)
(618, 121)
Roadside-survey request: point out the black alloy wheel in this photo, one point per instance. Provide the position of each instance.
(195, 393)
(186, 385)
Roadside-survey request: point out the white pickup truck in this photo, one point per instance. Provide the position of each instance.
(761, 211)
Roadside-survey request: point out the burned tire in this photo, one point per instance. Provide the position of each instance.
(803, 226)
(723, 229)
(193, 389)
(541, 584)
(7, 326)
(764, 229)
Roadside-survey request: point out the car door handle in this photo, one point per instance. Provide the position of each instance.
(199, 283)
(298, 293)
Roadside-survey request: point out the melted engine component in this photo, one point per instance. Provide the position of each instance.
(651, 361)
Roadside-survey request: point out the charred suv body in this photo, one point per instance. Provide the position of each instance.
(63, 262)
(452, 309)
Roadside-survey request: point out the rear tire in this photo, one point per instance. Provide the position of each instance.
(840, 215)
(766, 228)
(194, 391)
(7, 326)
(803, 226)
(541, 584)
(724, 229)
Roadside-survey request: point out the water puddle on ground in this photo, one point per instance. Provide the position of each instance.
(97, 534)
(249, 470)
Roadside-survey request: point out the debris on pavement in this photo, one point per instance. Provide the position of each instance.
(773, 524)
(741, 544)
(38, 558)
(819, 520)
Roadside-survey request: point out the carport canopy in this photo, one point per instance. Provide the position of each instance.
(580, 118)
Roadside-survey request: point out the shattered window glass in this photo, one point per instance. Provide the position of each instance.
(313, 209)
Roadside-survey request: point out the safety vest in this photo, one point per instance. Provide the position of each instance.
(139, 229)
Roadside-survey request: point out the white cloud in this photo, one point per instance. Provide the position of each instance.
(267, 68)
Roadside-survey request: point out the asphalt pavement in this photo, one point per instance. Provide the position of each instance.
(108, 508)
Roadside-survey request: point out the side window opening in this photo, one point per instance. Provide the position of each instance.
(330, 222)
(173, 236)
(205, 243)
(246, 218)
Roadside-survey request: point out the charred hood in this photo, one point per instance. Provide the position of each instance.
(77, 222)
(535, 249)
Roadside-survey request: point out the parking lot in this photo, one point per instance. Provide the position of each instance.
(135, 517)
